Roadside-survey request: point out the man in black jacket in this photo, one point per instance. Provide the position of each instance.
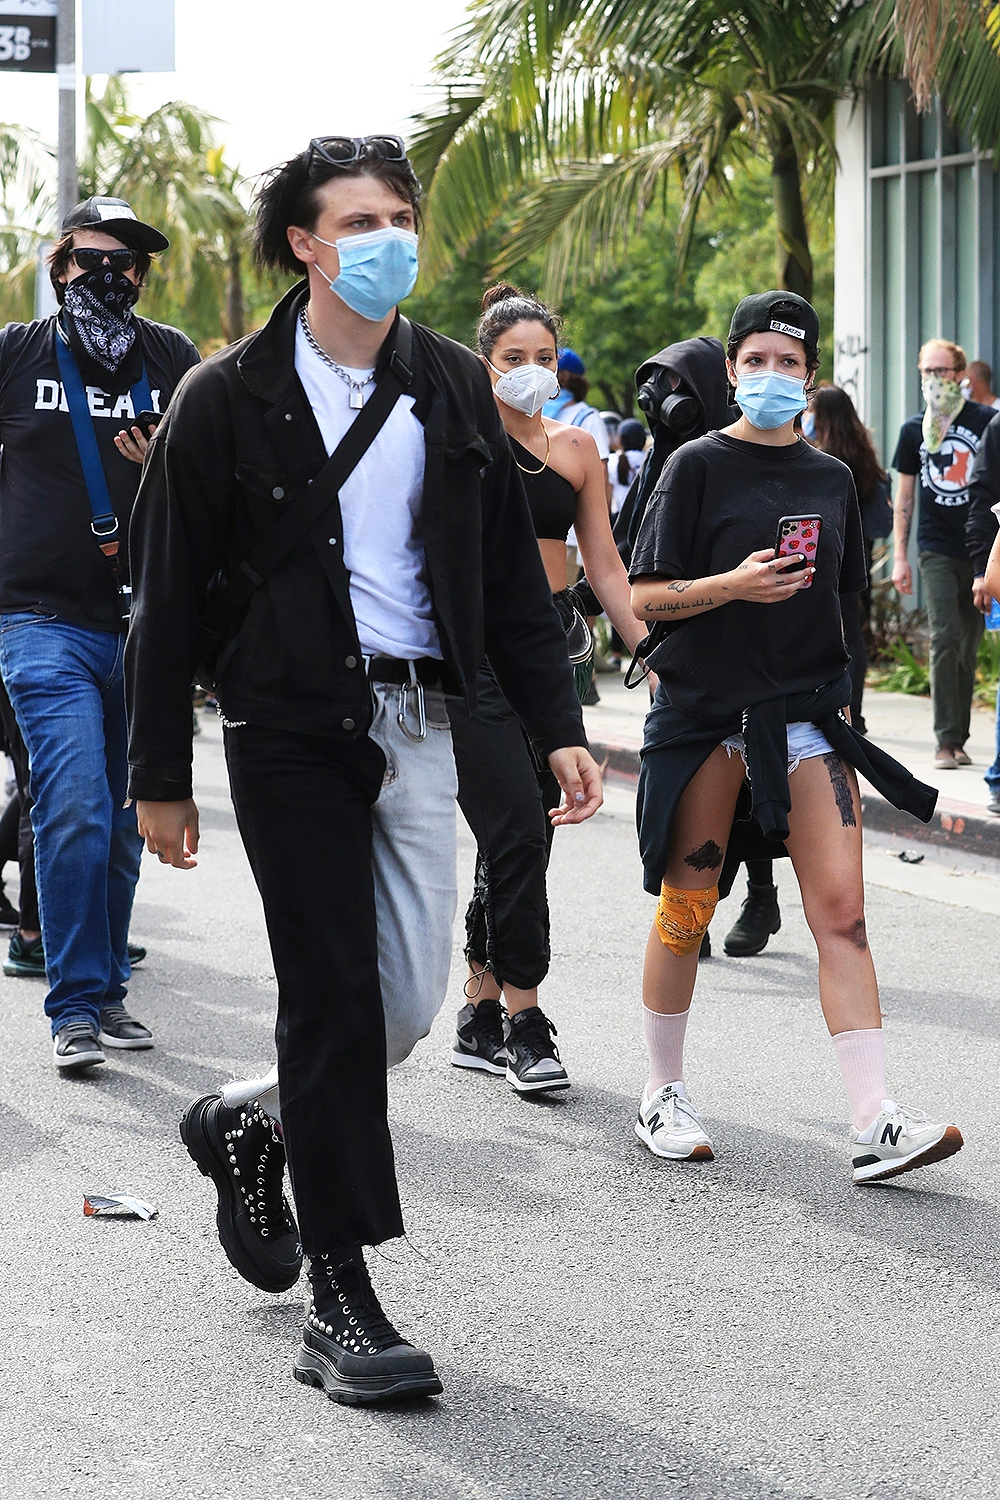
(330, 676)
(980, 533)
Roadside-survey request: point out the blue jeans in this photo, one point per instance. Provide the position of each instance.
(66, 686)
(992, 777)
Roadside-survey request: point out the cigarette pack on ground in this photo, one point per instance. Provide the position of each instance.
(117, 1206)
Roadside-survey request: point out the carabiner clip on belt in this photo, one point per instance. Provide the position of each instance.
(413, 686)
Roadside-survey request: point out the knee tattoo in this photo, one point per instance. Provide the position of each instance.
(682, 917)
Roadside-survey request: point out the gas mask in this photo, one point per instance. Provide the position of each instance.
(662, 399)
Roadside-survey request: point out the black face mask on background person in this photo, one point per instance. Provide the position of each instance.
(102, 331)
(663, 398)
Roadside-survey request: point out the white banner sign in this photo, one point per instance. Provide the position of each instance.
(28, 36)
(127, 36)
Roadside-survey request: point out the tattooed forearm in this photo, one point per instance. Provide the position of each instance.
(679, 586)
(668, 608)
(841, 790)
(708, 856)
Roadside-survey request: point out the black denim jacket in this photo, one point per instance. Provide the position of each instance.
(240, 442)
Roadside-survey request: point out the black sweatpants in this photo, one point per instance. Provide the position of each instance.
(505, 792)
(303, 805)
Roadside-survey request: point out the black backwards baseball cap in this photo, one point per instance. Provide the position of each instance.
(115, 217)
(776, 312)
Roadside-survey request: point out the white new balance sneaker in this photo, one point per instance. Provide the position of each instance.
(670, 1126)
(898, 1140)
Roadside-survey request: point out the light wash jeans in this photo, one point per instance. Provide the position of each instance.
(66, 687)
(416, 888)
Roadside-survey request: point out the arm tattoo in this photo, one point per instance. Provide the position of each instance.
(707, 857)
(680, 586)
(678, 608)
(841, 790)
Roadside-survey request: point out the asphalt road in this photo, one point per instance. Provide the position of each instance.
(605, 1324)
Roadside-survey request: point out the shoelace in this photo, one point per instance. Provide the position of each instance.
(357, 1298)
(115, 1014)
(534, 1037)
(74, 1029)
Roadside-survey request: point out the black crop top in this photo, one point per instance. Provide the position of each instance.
(551, 498)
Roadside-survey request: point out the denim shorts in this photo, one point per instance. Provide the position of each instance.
(804, 742)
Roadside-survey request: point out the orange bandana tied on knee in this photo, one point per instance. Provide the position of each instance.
(682, 917)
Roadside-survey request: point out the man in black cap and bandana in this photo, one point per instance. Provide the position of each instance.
(72, 390)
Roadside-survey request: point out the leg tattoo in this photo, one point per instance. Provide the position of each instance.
(707, 857)
(841, 790)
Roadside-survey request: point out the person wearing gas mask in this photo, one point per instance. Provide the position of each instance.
(72, 388)
(505, 788)
(934, 457)
(331, 522)
(746, 545)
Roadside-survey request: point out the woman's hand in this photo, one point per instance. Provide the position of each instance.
(170, 830)
(133, 444)
(765, 579)
(579, 776)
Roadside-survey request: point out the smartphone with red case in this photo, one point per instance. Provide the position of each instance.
(798, 536)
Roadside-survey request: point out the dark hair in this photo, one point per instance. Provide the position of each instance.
(62, 253)
(289, 195)
(577, 385)
(779, 310)
(503, 306)
(840, 431)
(632, 438)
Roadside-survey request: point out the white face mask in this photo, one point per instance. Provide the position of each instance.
(527, 388)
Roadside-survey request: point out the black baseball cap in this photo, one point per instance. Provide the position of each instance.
(776, 312)
(115, 217)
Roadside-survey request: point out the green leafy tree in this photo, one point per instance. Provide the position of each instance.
(27, 203)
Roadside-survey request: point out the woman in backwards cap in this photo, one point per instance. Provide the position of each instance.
(747, 745)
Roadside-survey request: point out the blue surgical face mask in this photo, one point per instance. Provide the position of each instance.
(808, 425)
(769, 400)
(377, 270)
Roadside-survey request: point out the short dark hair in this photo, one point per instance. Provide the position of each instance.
(503, 307)
(62, 253)
(289, 195)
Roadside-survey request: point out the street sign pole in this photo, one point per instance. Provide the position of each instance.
(66, 74)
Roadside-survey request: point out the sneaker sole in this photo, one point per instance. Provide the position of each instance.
(697, 1153)
(530, 1086)
(472, 1060)
(86, 1060)
(141, 1044)
(23, 971)
(210, 1164)
(311, 1368)
(950, 1143)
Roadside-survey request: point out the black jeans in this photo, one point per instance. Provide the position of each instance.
(303, 805)
(505, 792)
(18, 752)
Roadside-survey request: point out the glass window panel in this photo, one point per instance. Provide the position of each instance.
(876, 123)
(892, 139)
(927, 129)
(893, 351)
(951, 141)
(926, 187)
(966, 242)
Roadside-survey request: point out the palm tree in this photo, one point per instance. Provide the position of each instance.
(952, 48)
(570, 117)
(27, 203)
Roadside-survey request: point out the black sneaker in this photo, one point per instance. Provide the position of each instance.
(9, 915)
(759, 917)
(705, 951)
(119, 1029)
(75, 1045)
(532, 1059)
(238, 1148)
(25, 959)
(479, 1039)
(136, 953)
(349, 1347)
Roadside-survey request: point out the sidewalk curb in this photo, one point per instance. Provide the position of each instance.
(960, 827)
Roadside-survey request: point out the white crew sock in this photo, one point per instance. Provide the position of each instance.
(861, 1055)
(239, 1091)
(665, 1045)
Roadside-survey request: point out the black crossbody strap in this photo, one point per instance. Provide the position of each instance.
(313, 502)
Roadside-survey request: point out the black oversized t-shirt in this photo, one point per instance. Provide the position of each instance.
(717, 500)
(942, 484)
(49, 559)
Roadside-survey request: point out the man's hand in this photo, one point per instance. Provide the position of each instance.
(577, 773)
(133, 444)
(171, 831)
(902, 576)
(981, 596)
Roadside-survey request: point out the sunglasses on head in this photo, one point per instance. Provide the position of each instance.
(345, 150)
(93, 260)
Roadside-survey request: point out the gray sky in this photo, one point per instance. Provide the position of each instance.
(277, 74)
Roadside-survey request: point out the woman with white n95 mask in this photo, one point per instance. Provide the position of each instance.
(504, 787)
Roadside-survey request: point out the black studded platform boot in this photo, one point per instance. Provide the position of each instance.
(349, 1347)
(243, 1153)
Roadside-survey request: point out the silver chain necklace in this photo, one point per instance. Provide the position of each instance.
(357, 398)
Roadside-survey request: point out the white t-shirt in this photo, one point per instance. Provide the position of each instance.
(380, 506)
(619, 492)
(593, 423)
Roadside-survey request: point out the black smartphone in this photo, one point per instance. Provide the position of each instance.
(798, 536)
(148, 420)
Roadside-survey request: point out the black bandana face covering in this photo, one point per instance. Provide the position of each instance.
(102, 332)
